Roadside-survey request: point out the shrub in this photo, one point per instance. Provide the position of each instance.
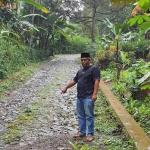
(13, 58)
(137, 48)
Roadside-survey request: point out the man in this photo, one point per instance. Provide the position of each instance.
(87, 79)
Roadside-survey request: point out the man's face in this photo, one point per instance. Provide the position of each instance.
(85, 62)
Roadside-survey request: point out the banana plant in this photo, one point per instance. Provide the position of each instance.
(32, 2)
(25, 26)
(118, 32)
(5, 34)
(18, 21)
(35, 4)
(124, 59)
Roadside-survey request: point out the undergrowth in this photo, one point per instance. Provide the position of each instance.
(107, 124)
(128, 90)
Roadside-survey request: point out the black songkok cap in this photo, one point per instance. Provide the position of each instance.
(83, 55)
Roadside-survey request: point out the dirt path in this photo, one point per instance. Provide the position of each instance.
(37, 116)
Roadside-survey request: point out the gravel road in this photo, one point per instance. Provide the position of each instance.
(50, 116)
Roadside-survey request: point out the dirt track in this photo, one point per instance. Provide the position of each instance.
(53, 114)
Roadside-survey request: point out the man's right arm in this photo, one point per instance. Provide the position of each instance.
(70, 84)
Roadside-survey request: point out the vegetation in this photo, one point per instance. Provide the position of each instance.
(132, 94)
(107, 124)
(21, 123)
(14, 59)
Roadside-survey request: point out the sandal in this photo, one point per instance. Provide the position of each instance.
(78, 135)
(89, 138)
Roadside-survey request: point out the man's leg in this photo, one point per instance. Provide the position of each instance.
(81, 116)
(89, 111)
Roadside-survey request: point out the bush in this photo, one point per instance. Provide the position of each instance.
(79, 44)
(75, 45)
(137, 48)
(13, 58)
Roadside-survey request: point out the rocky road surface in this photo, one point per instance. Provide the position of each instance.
(50, 116)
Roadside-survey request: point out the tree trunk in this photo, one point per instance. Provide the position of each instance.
(93, 24)
(117, 63)
(32, 37)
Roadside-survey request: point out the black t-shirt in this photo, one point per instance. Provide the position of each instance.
(85, 78)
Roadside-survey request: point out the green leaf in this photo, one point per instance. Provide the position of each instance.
(145, 87)
(123, 56)
(140, 20)
(28, 25)
(117, 29)
(64, 34)
(142, 3)
(71, 27)
(145, 17)
(3, 32)
(133, 20)
(36, 4)
(107, 39)
(144, 26)
(30, 15)
(108, 23)
(15, 41)
(41, 28)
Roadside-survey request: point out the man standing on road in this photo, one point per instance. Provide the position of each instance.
(87, 79)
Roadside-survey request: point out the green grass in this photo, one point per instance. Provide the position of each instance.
(18, 125)
(106, 123)
(17, 79)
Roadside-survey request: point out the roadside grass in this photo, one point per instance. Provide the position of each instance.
(126, 90)
(21, 123)
(82, 146)
(20, 77)
(17, 79)
(107, 124)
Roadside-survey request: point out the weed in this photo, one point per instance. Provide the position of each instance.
(15, 127)
(82, 146)
(106, 124)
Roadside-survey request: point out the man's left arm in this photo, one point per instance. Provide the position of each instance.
(95, 92)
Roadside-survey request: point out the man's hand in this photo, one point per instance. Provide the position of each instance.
(64, 90)
(70, 84)
(96, 86)
(94, 97)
